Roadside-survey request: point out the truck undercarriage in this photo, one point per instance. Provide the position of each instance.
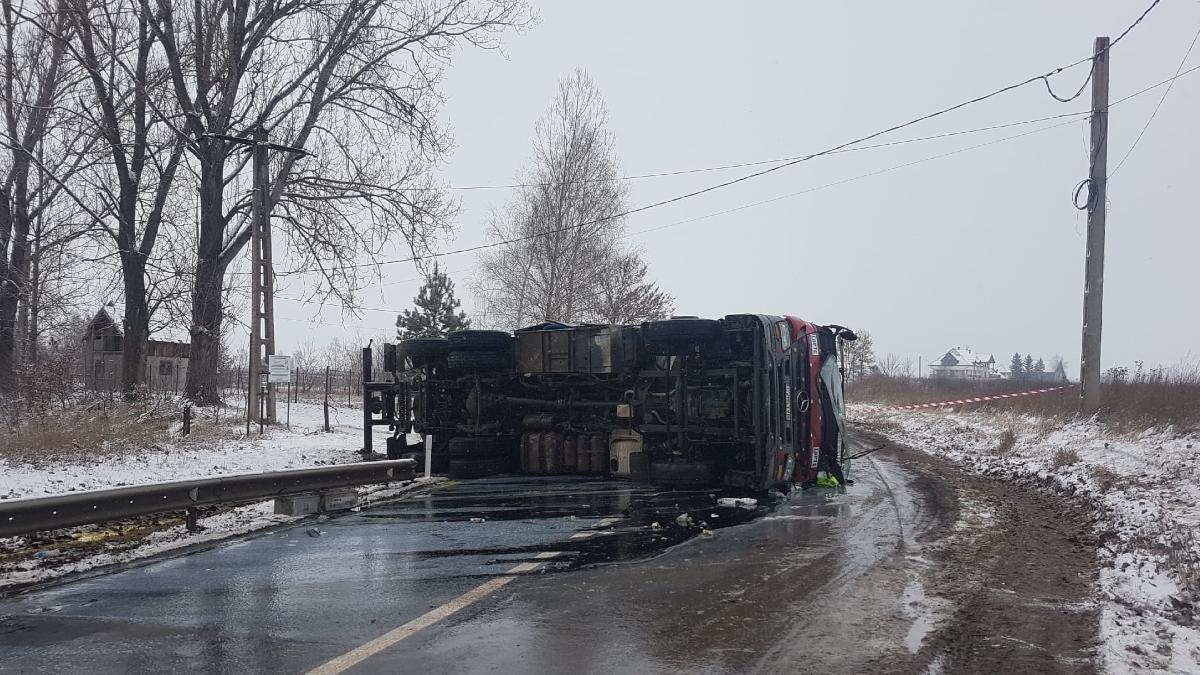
(750, 401)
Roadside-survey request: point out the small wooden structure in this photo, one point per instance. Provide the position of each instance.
(166, 360)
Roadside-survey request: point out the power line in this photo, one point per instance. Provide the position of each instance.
(760, 203)
(659, 174)
(834, 184)
(1044, 77)
(852, 179)
(760, 162)
(839, 182)
(1158, 106)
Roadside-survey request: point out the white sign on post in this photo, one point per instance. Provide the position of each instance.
(279, 369)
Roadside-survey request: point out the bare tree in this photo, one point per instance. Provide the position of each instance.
(357, 79)
(559, 239)
(893, 365)
(130, 106)
(859, 355)
(33, 77)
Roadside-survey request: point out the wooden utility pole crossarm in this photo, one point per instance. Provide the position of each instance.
(1093, 284)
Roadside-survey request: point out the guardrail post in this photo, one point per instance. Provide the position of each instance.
(191, 519)
(428, 456)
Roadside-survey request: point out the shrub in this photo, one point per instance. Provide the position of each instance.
(1064, 457)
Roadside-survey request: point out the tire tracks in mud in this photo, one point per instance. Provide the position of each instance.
(1018, 568)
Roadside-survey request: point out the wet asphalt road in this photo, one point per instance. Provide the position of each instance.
(605, 580)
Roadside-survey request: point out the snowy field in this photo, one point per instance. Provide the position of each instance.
(1146, 492)
(208, 452)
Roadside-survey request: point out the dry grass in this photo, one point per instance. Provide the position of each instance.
(1130, 401)
(86, 432)
(1007, 439)
(1064, 457)
(1106, 478)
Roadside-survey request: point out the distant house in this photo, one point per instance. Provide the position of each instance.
(961, 363)
(166, 360)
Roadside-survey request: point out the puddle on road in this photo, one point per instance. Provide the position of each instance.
(531, 516)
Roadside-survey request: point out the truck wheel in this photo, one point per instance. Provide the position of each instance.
(421, 350)
(478, 361)
(478, 340)
(480, 447)
(680, 331)
(478, 468)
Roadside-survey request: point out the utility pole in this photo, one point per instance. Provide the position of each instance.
(1093, 283)
(262, 279)
(260, 274)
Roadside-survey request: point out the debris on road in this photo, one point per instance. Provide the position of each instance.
(738, 502)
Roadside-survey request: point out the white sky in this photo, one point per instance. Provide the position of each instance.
(983, 248)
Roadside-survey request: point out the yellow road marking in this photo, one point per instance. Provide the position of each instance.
(357, 655)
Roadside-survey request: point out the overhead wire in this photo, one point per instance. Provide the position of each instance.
(1158, 106)
(755, 204)
(743, 207)
(743, 165)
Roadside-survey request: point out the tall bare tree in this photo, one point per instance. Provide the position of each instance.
(130, 106)
(559, 239)
(356, 83)
(33, 77)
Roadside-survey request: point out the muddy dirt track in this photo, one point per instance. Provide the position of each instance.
(915, 568)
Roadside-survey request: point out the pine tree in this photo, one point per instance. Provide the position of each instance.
(1014, 367)
(1040, 366)
(436, 312)
(1028, 363)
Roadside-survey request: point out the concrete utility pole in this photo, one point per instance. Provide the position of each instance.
(1093, 283)
(262, 277)
(262, 315)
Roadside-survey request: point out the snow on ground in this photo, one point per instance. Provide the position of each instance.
(1146, 490)
(224, 450)
(211, 450)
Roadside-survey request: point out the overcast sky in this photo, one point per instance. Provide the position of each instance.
(982, 248)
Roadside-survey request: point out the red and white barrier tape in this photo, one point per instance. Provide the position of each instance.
(977, 399)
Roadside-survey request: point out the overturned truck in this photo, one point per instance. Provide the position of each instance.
(748, 401)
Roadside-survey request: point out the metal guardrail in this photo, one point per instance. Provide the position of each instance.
(24, 516)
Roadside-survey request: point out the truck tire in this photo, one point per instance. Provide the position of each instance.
(478, 361)
(480, 447)
(478, 468)
(421, 350)
(680, 331)
(478, 340)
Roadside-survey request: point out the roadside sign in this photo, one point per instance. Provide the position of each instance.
(279, 368)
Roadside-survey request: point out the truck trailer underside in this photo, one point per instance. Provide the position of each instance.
(739, 401)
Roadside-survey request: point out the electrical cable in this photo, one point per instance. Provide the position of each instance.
(1044, 77)
(760, 162)
(1157, 107)
(755, 204)
(852, 179)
